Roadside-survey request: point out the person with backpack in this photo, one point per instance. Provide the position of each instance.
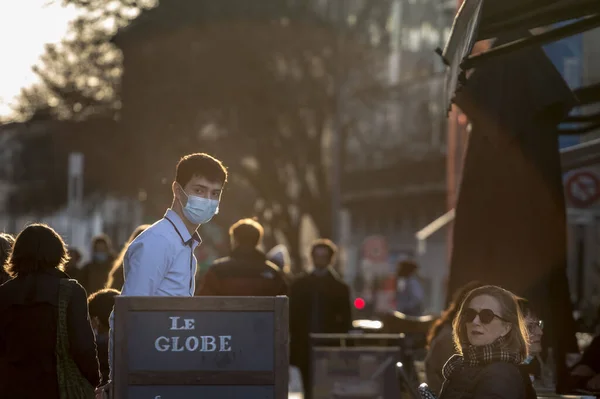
(47, 346)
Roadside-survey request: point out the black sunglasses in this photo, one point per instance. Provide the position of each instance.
(485, 315)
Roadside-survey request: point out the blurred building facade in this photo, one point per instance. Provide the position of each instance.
(394, 180)
(578, 60)
(583, 217)
(38, 184)
(392, 177)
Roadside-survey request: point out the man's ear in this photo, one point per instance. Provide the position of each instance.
(178, 193)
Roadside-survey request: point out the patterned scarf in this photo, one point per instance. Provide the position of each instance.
(476, 356)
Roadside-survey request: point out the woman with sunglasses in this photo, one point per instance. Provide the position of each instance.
(491, 338)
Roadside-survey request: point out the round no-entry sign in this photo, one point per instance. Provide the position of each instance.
(375, 249)
(583, 189)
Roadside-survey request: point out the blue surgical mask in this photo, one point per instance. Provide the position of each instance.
(200, 210)
(100, 257)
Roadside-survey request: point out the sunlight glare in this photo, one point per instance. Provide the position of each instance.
(25, 27)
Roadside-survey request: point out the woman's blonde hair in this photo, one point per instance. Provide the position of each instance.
(117, 266)
(516, 341)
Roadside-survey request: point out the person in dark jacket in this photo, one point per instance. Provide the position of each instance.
(94, 275)
(246, 272)
(6, 243)
(586, 373)
(410, 296)
(490, 334)
(319, 303)
(28, 318)
(535, 328)
(101, 303)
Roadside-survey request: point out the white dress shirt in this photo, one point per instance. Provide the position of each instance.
(161, 261)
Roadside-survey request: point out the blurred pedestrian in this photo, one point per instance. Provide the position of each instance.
(100, 305)
(95, 273)
(410, 296)
(586, 373)
(47, 347)
(246, 272)
(319, 303)
(280, 256)
(115, 276)
(535, 327)
(72, 268)
(6, 243)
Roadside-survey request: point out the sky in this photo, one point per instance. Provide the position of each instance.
(25, 27)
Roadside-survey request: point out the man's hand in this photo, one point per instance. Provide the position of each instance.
(594, 383)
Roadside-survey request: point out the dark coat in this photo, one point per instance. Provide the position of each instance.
(498, 380)
(591, 356)
(440, 350)
(247, 272)
(334, 314)
(94, 275)
(28, 325)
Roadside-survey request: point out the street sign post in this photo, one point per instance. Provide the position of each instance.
(583, 188)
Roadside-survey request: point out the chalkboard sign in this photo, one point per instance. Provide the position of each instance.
(358, 369)
(355, 373)
(208, 347)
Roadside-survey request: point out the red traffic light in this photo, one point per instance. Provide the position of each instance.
(359, 303)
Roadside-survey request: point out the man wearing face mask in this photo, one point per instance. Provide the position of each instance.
(94, 274)
(161, 261)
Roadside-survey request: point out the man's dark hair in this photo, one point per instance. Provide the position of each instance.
(102, 239)
(324, 243)
(246, 232)
(101, 303)
(202, 165)
(406, 268)
(37, 247)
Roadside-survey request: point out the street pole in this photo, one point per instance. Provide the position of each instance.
(336, 142)
(74, 194)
